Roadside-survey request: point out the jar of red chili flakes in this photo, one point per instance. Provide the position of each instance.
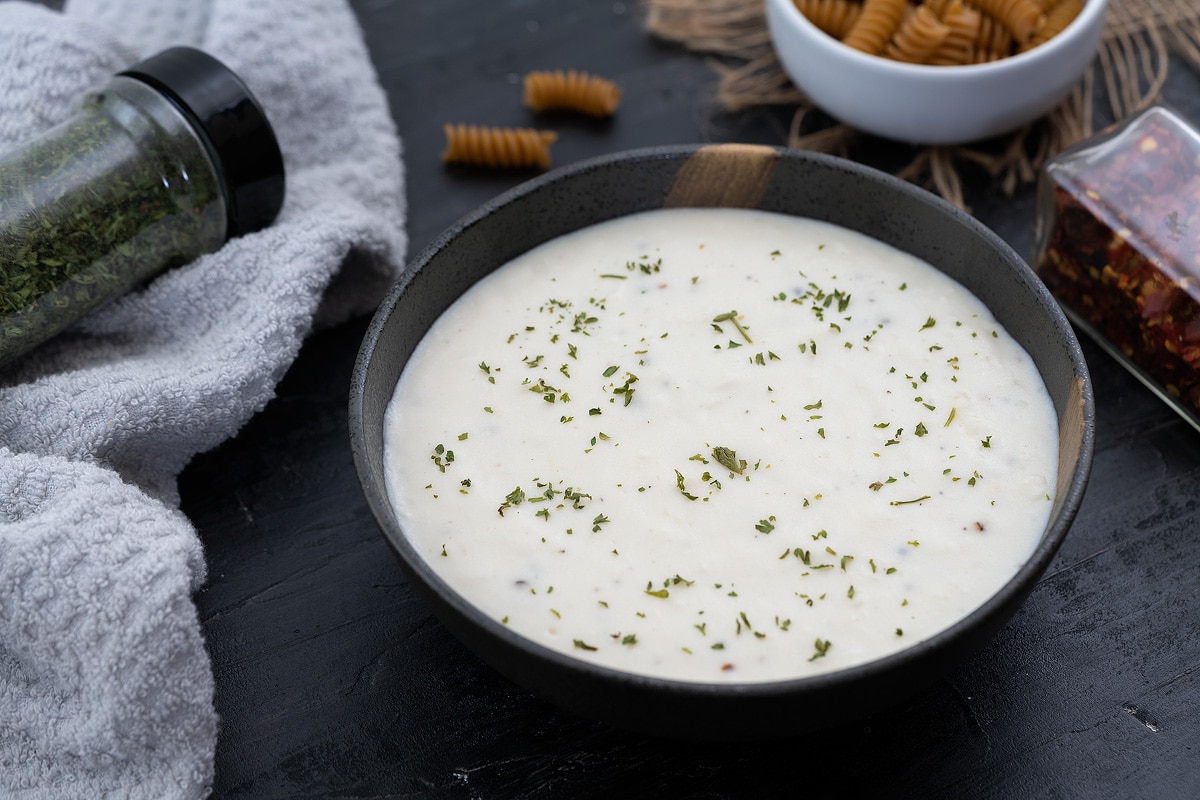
(1117, 240)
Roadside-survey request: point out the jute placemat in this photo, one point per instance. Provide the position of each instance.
(1131, 68)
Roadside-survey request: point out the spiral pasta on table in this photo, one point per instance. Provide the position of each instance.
(941, 32)
(503, 148)
(571, 91)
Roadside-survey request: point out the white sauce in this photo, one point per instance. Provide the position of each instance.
(900, 448)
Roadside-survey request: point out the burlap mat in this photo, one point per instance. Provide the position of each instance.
(1131, 68)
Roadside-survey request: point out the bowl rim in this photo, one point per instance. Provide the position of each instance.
(956, 72)
(1014, 590)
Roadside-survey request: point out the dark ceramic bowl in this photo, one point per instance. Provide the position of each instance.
(787, 181)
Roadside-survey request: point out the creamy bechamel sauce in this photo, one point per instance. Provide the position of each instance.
(592, 448)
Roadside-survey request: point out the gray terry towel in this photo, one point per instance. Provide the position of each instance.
(106, 689)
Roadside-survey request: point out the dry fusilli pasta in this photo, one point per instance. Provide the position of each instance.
(959, 44)
(875, 25)
(993, 37)
(571, 91)
(1058, 16)
(1021, 17)
(485, 146)
(918, 37)
(941, 32)
(835, 17)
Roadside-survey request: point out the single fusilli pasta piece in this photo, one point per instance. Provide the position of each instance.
(1058, 17)
(835, 17)
(994, 39)
(1021, 17)
(484, 146)
(919, 35)
(571, 91)
(959, 44)
(940, 7)
(875, 25)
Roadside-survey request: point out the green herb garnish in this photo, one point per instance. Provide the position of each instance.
(731, 316)
(650, 590)
(682, 490)
(84, 221)
(728, 458)
(820, 648)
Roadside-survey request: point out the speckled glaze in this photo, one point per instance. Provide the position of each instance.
(771, 179)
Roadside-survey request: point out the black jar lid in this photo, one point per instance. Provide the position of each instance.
(237, 131)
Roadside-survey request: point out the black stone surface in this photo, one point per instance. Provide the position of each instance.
(334, 681)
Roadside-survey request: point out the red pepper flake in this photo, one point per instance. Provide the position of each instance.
(1123, 247)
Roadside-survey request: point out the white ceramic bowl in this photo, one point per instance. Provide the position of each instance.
(925, 104)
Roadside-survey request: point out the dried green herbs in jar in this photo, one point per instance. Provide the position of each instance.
(163, 164)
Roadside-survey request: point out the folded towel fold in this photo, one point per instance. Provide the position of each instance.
(105, 684)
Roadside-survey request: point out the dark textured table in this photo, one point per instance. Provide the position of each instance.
(334, 681)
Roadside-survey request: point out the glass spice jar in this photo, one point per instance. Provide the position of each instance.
(1117, 241)
(166, 162)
